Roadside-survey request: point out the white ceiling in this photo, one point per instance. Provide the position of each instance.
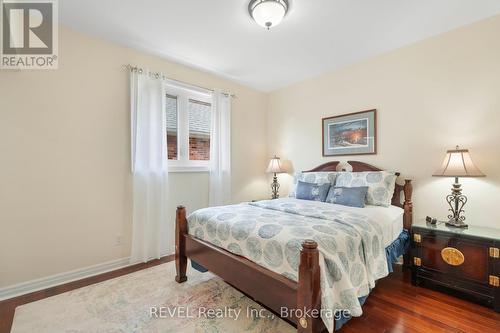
(316, 36)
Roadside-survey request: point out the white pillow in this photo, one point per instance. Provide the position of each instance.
(380, 184)
(319, 178)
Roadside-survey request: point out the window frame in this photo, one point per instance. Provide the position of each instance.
(184, 94)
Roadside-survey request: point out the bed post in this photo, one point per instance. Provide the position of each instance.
(180, 244)
(308, 289)
(407, 217)
(408, 205)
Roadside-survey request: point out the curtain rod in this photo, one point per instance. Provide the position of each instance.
(159, 75)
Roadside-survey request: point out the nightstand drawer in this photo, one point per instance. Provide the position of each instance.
(462, 258)
(476, 264)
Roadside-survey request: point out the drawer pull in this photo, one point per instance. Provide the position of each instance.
(417, 261)
(494, 252)
(452, 256)
(494, 281)
(417, 238)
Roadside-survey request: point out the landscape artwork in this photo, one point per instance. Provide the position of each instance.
(350, 134)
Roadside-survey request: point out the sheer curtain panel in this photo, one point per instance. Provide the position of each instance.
(149, 165)
(220, 150)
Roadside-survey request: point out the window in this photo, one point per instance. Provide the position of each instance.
(171, 109)
(199, 130)
(188, 114)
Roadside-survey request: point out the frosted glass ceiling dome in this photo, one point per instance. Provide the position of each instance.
(268, 13)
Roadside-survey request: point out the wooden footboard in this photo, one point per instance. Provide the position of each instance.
(268, 288)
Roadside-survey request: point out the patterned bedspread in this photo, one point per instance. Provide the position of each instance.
(270, 233)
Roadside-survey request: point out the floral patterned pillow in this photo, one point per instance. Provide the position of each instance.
(319, 178)
(380, 184)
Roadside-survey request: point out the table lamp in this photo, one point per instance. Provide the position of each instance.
(457, 163)
(275, 168)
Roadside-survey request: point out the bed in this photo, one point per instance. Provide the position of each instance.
(312, 257)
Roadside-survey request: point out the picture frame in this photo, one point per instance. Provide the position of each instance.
(350, 134)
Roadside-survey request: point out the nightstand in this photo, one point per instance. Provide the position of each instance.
(464, 262)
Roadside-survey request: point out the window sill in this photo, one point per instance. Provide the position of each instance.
(179, 169)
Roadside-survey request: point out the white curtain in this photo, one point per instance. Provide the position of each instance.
(220, 150)
(149, 166)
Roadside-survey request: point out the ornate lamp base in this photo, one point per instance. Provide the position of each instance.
(275, 186)
(457, 201)
(456, 223)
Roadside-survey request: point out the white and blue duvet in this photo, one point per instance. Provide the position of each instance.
(270, 233)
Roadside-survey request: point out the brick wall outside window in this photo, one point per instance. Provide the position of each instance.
(199, 149)
(172, 147)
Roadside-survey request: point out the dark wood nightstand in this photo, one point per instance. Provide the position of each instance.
(464, 262)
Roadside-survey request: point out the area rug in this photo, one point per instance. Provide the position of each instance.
(149, 301)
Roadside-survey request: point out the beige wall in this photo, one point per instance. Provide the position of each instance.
(430, 96)
(65, 185)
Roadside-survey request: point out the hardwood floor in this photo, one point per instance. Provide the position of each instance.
(394, 306)
(397, 306)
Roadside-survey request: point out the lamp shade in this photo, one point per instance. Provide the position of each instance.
(275, 165)
(458, 163)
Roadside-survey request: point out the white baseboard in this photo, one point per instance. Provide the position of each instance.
(58, 279)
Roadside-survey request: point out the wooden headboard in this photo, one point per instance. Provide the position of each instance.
(406, 189)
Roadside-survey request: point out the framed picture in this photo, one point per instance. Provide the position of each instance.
(350, 134)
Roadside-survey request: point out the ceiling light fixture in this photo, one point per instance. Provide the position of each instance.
(268, 13)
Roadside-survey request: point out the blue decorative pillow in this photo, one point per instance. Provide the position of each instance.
(348, 196)
(310, 191)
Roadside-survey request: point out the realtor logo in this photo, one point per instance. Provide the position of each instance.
(29, 34)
